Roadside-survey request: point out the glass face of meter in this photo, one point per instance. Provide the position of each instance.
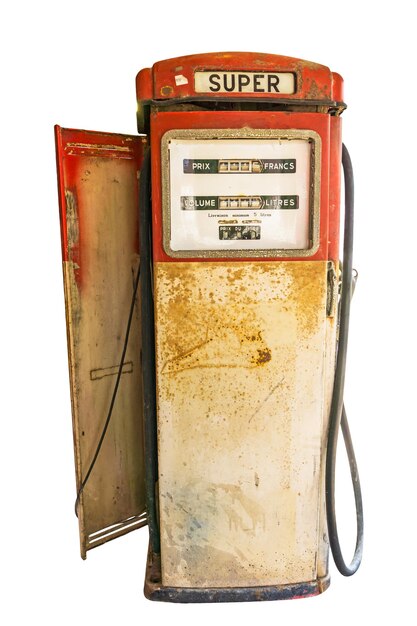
(249, 196)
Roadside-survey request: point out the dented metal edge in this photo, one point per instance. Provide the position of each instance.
(71, 294)
(116, 530)
(154, 590)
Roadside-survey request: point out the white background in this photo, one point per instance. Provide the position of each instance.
(74, 63)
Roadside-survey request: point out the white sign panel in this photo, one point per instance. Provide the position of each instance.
(239, 194)
(244, 82)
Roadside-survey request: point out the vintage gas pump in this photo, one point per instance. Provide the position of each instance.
(207, 402)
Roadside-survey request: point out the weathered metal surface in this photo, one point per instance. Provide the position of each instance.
(174, 79)
(155, 591)
(99, 218)
(239, 124)
(328, 379)
(240, 365)
(148, 355)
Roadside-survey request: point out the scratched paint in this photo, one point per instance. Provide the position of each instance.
(240, 360)
(323, 542)
(101, 224)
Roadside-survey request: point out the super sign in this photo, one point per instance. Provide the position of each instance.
(244, 82)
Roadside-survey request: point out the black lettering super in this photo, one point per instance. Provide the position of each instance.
(214, 86)
(257, 85)
(273, 82)
(242, 81)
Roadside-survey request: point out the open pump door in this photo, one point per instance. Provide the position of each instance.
(98, 188)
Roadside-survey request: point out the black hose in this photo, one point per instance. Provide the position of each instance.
(114, 394)
(144, 278)
(338, 417)
(148, 352)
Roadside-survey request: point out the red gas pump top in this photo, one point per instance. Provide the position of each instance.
(241, 75)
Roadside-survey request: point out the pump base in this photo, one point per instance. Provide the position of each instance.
(154, 590)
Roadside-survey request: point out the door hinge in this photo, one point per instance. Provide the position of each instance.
(332, 289)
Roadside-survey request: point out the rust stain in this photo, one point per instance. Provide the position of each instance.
(243, 512)
(224, 345)
(310, 65)
(309, 287)
(234, 275)
(73, 231)
(315, 91)
(263, 356)
(102, 147)
(243, 346)
(167, 90)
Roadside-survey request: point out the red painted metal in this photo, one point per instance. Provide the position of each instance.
(72, 145)
(319, 122)
(335, 159)
(315, 84)
(313, 81)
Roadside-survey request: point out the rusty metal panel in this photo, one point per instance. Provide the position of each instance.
(98, 179)
(330, 363)
(175, 79)
(241, 368)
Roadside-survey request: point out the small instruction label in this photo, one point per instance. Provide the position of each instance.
(239, 232)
